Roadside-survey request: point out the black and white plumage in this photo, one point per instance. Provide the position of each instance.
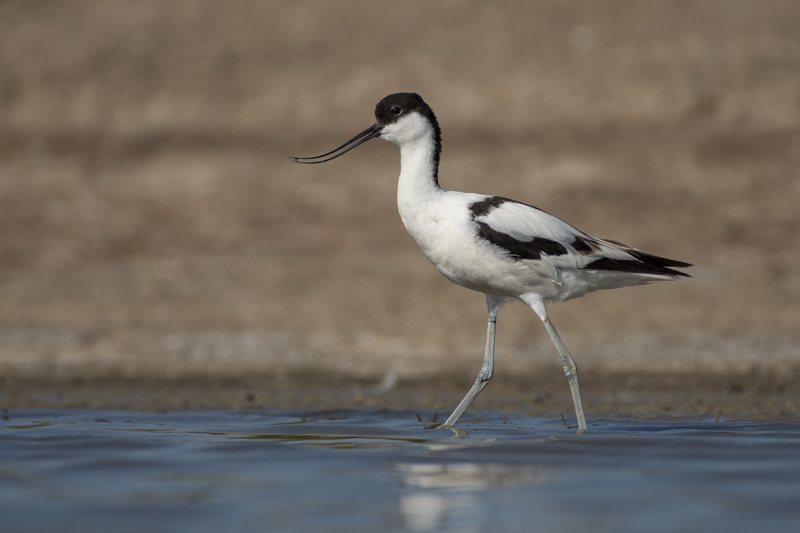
(505, 249)
(557, 250)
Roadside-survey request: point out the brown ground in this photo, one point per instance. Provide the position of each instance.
(753, 396)
(154, 236)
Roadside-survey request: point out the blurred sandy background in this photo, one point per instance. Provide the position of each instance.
(152, 227)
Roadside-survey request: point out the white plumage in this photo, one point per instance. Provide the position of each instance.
(505, 249)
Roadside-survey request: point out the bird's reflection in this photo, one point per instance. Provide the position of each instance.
(446, 492)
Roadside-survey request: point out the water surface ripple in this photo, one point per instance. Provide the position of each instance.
(91, 471)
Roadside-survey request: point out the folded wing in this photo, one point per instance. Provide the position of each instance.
(526, 233)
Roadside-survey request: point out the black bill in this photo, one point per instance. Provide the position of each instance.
(369, 133)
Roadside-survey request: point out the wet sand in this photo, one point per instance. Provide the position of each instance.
(751, 396)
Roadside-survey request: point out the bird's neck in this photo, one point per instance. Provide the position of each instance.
(418, 189)
(419, 167)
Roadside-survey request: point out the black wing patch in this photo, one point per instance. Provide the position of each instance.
(518, 249)
(643, 264)
(583, 246)
(484, 207)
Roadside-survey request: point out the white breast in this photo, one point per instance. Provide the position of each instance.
(444, 228)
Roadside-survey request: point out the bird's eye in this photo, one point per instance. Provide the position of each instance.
(396, 110)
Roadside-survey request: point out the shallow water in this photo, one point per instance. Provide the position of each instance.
(90, 470)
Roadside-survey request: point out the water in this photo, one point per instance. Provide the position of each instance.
(91, 471)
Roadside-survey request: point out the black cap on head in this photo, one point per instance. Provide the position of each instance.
(394, 106)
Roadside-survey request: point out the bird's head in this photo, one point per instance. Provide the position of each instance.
(400, 118)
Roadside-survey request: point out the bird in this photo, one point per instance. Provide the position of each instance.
(507, 250)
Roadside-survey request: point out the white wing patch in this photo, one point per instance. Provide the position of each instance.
(524, 223)
(549, 245)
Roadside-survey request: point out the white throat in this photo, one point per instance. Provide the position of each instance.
(417, 188)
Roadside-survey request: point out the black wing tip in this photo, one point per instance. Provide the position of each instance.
(660, 261)
(678, 273)
(663, 262)
(643, 264)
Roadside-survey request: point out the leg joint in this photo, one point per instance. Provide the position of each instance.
(570, 369)
(485, 375)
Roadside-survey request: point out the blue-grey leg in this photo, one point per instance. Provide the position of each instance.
(487, 369)
(570, 370)
(570, 367)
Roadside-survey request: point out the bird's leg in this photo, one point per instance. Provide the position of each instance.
(484, 376)
(536, 302)
(570, 370)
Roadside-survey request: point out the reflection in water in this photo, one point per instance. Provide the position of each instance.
(467, 475)
(423, 511)
(451, 492)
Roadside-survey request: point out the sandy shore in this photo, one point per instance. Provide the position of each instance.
(159, 250)
(751, 396)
